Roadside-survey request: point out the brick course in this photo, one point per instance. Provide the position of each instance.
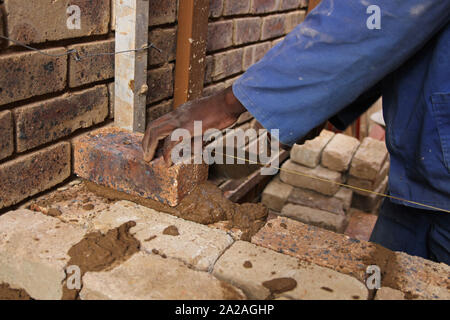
(6, 134)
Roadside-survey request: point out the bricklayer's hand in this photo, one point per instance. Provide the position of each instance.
(218, 111)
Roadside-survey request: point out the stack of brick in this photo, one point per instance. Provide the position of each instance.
(310, 186)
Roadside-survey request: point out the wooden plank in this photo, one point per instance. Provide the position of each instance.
(191, 50)
(131, 67)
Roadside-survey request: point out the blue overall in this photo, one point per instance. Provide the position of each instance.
(333, 66)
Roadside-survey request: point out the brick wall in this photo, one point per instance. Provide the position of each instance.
(46, 101)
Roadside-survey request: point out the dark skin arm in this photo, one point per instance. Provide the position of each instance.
(216, 112)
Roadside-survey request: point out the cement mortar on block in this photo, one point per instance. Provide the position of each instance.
(315, 217)
(33, 252)
(275, 195)
(196, 245)
(319, 179)
(339, 152)
(309, 153)
(150, 277)
(250, 267)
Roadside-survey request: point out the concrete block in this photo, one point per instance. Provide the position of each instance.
(28, 175)
(6, 134)
(150, 277)
(33, 252)
(113, 157)
(319, 179)
(309, 153)
(195, 244)
(275, 195)
(339, 152)
(263, 273)
(369, 159)
(312, 199)
(315, 217)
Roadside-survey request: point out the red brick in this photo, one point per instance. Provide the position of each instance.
(91, 69)
(246, 30)
(264, 6)
(290, 4)
(227, 64)
(235, 7)
(155, 112)
(215, 8)
(33, 173)
(209, 66)
(6, 134)
(254, 53)
(49, 120)
(166, 40)
(30, 74)
(273, 26)
(46, 20)
(160, 83)
(113, 157)
(293, 19)
(162, 12)
(220, 35)
(213, 89)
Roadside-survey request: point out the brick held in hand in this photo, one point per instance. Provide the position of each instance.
(113, 157)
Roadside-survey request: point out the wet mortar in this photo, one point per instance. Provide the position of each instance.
(280, 285)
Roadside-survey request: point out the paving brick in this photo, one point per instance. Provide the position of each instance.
(235, 7)
(264, 6)
(339, 152)
(162, 12)
(91, 69)
(369, 184)
(254, 53)
(246, 30)
(227, 64)
(27, 23)
(369, 159)
(33, 252)
(312, 199)
(196, 245)
(290, 4)
(160, 83)
(220, 35)
(6, 134)
(369, 202)
(303, 177)
(155, 112)
(248, 266)
(315, 217)
(293, 19)
(49, 120)
(33, 173)
(113, 157)
(215, 8)
(31, 74)
(309, 153)
(150, 277)
(166, 40)
(386, 293)
(275, 195)
(273, 26)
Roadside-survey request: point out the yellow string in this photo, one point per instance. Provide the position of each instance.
(339, 184)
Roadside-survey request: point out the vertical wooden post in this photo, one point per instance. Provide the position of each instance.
(131, 67)
(191, 50)
(312, 4)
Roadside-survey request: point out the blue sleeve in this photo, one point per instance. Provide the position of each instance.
(332, 58)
